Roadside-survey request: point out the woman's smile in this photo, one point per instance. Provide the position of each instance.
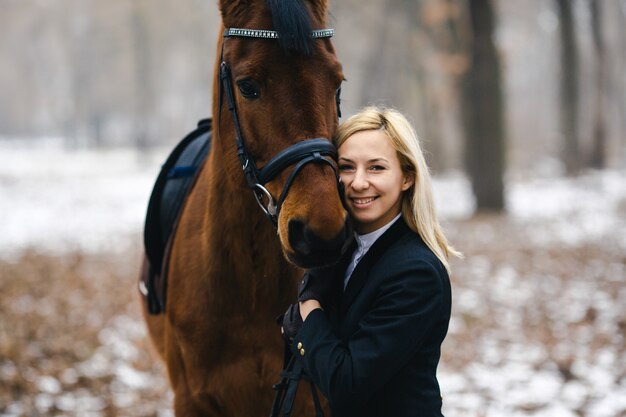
(362, 202)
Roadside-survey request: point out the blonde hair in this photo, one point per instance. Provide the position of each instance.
(418, 207)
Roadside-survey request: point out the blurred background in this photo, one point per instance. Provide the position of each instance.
(521, 107)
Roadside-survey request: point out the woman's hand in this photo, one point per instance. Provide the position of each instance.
(316, 284)
(290, 322)
(293, 318)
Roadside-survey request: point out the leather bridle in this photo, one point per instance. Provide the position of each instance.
(307, 151)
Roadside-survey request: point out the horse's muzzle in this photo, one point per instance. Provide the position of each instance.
(311, 251)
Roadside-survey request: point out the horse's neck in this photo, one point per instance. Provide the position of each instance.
(243, 242)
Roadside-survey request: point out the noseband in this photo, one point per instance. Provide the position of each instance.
(304, 152)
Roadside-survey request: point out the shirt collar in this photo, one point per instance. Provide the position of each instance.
(364, 242)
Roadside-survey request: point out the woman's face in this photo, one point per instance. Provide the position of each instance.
(370, 171)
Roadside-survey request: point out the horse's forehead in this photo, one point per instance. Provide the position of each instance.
(263, 59)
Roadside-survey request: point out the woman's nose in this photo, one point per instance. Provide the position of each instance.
(359, 182)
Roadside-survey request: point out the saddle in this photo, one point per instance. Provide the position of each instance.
(172, 186)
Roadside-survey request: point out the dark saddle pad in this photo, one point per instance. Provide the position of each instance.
(169, 194)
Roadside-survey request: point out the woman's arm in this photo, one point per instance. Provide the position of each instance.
(407, 307)
(307, 307)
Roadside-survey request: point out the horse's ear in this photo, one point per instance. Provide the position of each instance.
(320, 9)
(233, 9)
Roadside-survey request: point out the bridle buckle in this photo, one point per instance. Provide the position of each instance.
(271, 210)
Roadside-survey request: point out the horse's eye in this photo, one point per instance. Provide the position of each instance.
(249, 89)
(338, 101)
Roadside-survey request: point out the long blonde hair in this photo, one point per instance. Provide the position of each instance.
(418, 207)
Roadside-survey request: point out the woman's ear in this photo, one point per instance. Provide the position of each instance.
(408, 181)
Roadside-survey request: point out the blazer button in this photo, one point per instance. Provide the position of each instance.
(301, 352)
(299, 345)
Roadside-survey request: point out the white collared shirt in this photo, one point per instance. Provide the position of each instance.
(364, 243)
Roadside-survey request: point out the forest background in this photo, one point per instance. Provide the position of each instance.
(138, 73)
(521, 106)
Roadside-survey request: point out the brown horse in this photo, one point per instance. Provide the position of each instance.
(231, 270)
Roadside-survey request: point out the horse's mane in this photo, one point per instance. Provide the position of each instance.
(292, 22)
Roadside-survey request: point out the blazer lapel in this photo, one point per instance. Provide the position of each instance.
(360, 273)
(339, 270)
(338, 274)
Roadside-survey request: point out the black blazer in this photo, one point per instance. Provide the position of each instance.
(373, 350)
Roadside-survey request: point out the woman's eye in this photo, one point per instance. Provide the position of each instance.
(249, 89)
(345, 167)
(377, 167)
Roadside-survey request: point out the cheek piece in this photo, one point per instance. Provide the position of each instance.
(316, 150)
(342, 194)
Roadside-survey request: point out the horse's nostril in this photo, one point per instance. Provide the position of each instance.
(298, 238)
(305, 241)
(310, 251)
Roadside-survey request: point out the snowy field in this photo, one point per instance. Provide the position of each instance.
(539, 313)
(58, 200)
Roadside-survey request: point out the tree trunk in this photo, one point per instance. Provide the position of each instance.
(620, 84)
(429, 111)
(483, 112)
(598, 155)
(569, 89)
(375, 88)
(143, 81)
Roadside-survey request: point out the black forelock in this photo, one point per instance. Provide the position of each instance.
(292, 22)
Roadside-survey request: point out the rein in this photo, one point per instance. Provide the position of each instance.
(304, 152)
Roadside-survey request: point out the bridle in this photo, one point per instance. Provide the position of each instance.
(304, 152)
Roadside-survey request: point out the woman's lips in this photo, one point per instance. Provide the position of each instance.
(362, 202)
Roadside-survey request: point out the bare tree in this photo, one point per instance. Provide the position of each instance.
(483, 112)
(598, 155)
(621, 69)
(143, 74)
(437, 72)
(570, 94)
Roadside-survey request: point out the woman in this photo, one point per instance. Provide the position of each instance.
(371, 343)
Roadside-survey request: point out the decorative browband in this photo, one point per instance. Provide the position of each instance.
(272, 34)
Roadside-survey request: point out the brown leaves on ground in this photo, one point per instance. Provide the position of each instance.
(72, 341)
(538, 328)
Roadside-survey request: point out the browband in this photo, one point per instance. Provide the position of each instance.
(272, 34)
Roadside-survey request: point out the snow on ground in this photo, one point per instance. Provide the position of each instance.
(559, 210)
(57, 199)
(539, 318)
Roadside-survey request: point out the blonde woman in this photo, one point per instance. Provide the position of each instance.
(374, 323)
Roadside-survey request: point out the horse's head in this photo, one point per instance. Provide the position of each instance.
(282, 78)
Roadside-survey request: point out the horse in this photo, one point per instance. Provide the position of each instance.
(234, 267)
